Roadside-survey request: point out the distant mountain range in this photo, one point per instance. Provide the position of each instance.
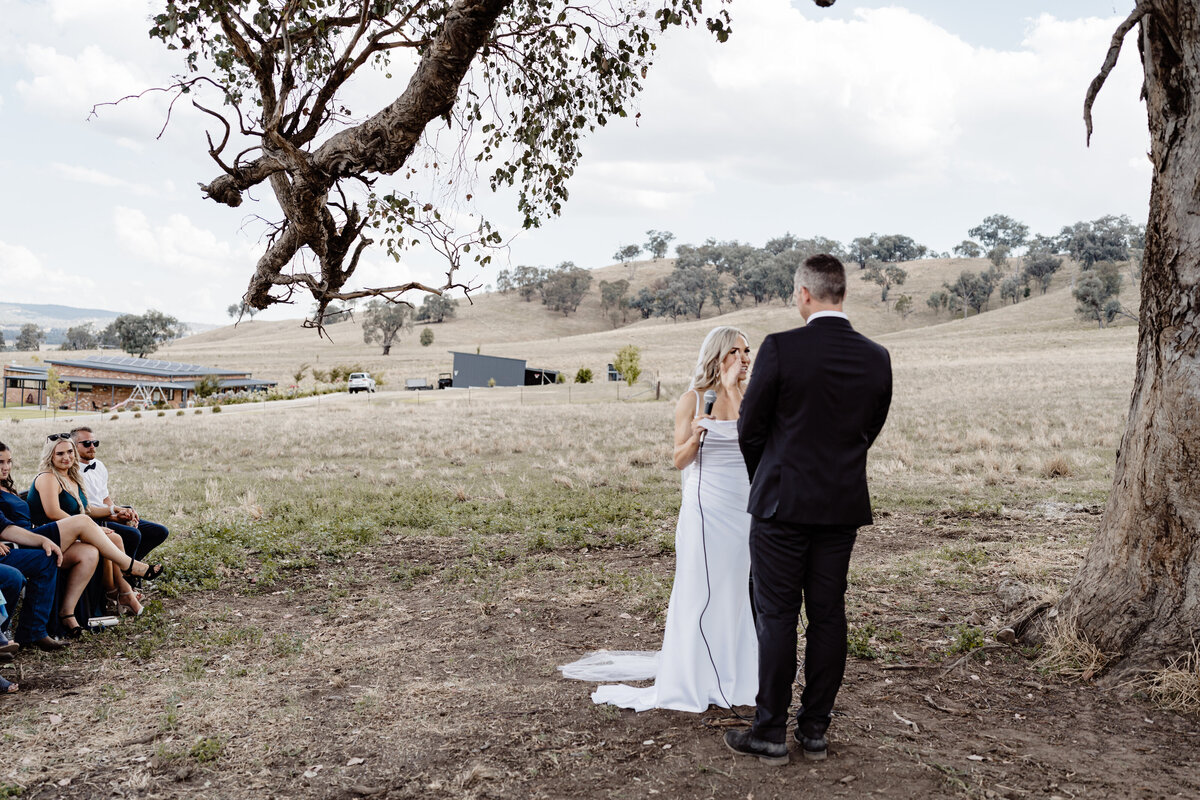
(55, 320)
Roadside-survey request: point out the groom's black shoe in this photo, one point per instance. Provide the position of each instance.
(747, 744)
(815, 749)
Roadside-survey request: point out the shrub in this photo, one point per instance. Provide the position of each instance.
(179, 413)
(114, 416)
(491, 382)
(584, 375)
(562, 378)
(198, 411)
(216, 409)
(162, 413)
(137, 415)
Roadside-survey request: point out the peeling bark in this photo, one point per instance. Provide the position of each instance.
(1137, 595)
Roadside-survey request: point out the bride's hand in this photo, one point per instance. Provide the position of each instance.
(731, 375)
(698, 427)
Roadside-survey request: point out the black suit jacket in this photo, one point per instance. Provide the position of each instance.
(818, 397)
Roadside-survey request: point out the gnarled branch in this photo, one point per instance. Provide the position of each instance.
(1110, 61)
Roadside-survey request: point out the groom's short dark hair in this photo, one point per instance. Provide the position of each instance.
(824, 276)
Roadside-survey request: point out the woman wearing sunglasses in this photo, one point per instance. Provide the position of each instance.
(55, 498)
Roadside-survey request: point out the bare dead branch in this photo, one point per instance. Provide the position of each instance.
(1110, 61)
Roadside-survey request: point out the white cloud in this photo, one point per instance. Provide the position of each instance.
(26, 279)
(98, 178)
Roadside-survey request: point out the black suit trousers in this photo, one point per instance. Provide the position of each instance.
(794, 565)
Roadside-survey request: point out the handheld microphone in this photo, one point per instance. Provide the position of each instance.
(710, 397)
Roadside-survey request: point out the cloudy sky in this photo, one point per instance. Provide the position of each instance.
(918, 117)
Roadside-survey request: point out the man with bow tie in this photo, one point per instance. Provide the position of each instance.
(140, 536)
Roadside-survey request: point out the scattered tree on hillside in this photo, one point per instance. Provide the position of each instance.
(1096, 293)
(1104, 239)
(79, 337)
(998, 255)
(521, 83)
(1040, 267)
(564, 287)
(140, 335)
(427, 337)
(971, 290)
(528, 281)
(903, 305)
(240, 309)
(658, 243)
(886, 276)
(382, 322)
(504, 283)
(583, 375)
(627, 252)
(896, 247)
(436, 308)
(862, 250)
(1014, 287)
(999, 231)
(614, 300)
(937, 300)
(628, 362)
(298, 375)
(968, 249)
(30, 337)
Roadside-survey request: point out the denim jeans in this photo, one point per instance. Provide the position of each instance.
(38, 573)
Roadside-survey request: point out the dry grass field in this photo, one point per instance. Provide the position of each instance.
(368, 596)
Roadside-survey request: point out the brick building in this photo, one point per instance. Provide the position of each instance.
(97, 382)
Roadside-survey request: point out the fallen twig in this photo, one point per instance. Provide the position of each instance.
(958, 711)
(908, 722)
(966, 656)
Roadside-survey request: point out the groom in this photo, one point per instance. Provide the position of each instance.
(817, 399)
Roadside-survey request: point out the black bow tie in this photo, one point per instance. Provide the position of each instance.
(90, 466)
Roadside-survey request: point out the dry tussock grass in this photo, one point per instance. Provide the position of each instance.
(1177, 688)
(1068, 654)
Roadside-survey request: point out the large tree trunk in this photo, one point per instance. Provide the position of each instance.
(1138, 594)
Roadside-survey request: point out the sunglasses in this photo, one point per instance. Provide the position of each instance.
(54, 437)
(88, 443)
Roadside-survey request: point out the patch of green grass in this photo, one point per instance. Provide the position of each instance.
(11, 790)
(964, 639)
(287, 644)
(407, 573)
(858, 642)
(206, 749)
(966, 556)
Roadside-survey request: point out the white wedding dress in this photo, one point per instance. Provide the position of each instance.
(710, 651)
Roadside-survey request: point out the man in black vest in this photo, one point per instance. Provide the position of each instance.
(817, 399)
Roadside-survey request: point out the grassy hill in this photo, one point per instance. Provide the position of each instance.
(506, 325)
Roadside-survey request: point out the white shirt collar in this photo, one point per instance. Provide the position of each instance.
(819, 314)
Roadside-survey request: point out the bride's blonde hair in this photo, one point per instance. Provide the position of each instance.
(716, 346)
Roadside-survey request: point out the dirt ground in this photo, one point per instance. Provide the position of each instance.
(359, 680)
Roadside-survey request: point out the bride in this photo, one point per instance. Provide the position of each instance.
(710, 651)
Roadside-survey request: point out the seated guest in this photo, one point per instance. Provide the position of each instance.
(34, 568)
(140, 536)
(55, 499)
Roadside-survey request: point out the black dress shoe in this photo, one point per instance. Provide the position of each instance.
(815, 749)
(49, 643)
(747, 744)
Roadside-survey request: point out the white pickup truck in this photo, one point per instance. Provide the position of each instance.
(361, 382)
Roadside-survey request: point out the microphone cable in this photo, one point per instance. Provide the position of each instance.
(708, 582)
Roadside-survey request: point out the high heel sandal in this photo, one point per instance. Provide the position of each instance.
(112, 602)
(71, 633)
(121, 607)
(152, 570)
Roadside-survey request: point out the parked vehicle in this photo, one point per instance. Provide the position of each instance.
(361, 382)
